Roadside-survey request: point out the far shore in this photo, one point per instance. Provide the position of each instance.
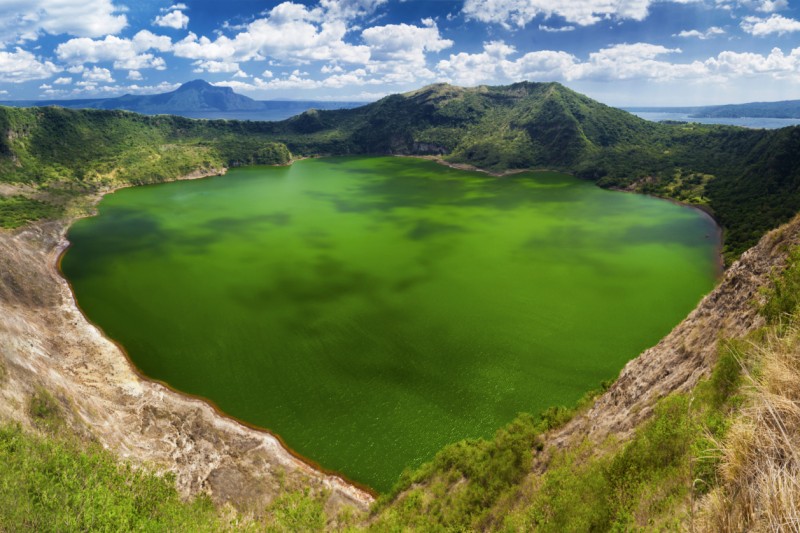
(704, 210)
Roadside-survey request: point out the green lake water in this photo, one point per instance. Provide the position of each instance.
(372, 310)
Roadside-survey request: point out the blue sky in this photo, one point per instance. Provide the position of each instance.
(622, 52)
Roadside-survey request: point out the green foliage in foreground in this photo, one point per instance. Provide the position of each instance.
(61, 484)
(783, 293)
(460, 486)
(56, 485)
(16, 211)
(296, 511)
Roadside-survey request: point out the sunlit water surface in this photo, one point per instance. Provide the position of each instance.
(372, 310)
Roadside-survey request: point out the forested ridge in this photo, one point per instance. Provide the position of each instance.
(748, 179)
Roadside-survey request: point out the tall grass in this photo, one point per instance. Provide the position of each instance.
(759, 487)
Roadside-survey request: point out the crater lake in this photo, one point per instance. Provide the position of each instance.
(370, 311)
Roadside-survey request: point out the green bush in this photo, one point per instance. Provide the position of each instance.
(297, 511)
(58, 485)
(16, 211)
(45, 411)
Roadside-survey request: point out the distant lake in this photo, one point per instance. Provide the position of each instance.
(762, 123)
(372, 310)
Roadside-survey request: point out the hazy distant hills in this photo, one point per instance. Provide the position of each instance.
(782, 109)
(196, 99)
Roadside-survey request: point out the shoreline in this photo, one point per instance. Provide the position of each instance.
(705, 212)
(61, 250)
(720, 232)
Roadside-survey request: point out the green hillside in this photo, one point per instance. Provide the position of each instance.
(747, 179)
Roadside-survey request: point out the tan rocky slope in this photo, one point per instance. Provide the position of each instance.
(46, 342)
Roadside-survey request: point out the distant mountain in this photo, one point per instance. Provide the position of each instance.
(782, 109)
(197, 99)
(197, 95)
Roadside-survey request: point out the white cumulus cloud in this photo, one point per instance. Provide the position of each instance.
(215, 67)
(129, 54)
(290, 32)
(518, 13)
(98, 75)
(27, 19)
(765, 26)
(404, 42)
(713, 31)
(174, 19)
(20, 66)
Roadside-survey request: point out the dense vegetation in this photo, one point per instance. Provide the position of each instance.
(67, 149)
(748, 179)
(16, 211)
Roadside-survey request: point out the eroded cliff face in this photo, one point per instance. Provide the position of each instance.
(689, 351)
(46, 342)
